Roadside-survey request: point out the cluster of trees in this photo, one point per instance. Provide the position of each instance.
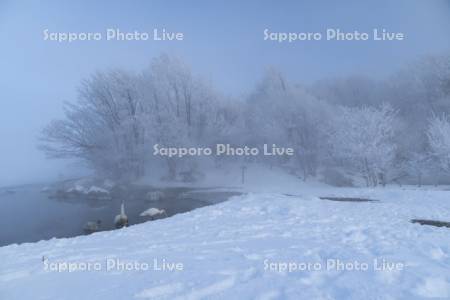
(119, 116)
(381, 131)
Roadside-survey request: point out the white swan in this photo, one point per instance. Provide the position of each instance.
(91, 226)
(121, 219)
(152, 212)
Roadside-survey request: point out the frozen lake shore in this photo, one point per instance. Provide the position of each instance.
(261, 245)
(41, 212)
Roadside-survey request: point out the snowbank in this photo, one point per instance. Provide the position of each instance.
(262, 245)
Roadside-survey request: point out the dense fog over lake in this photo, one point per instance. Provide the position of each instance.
(221, 44)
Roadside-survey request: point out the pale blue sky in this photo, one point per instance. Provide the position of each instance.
(223, 43)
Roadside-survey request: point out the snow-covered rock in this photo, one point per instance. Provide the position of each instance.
(96, 192)
(96, 189)
(76, 189)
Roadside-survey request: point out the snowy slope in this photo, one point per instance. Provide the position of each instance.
(228, 251)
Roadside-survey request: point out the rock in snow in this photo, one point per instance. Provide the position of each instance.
(77, 189)
(96, 189)
(96, 192)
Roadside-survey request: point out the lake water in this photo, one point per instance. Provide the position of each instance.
(29, 215)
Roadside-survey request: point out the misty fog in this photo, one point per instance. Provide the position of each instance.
(38, 76)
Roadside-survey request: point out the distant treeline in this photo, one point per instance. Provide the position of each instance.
(381, 131)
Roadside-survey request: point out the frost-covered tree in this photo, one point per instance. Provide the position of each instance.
(282, 113)
(335, 123)
(181, 107)
(352, 91)
(363, 140)
(104, 127)
(419, 91)
(439, 140)
(119, 116)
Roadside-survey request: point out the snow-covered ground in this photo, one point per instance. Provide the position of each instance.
(261, 245)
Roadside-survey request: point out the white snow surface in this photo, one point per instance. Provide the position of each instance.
(229, 250)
